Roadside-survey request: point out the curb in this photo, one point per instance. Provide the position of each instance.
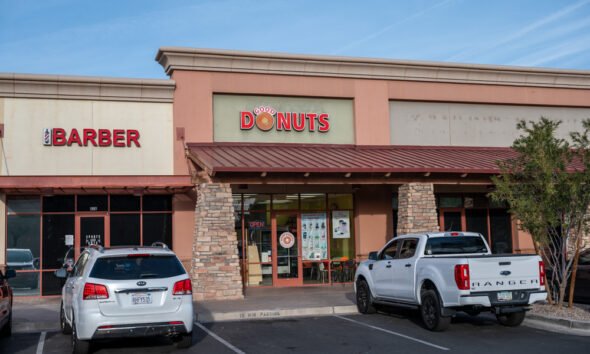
(276, 313)
(561, 322)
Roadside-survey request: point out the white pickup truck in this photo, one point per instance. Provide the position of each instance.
(445, 272)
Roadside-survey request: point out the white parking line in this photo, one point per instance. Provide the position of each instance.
(394, 333)
(221, 340)
(41, 343)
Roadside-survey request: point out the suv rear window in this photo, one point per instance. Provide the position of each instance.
(454, 245)
(143, 267)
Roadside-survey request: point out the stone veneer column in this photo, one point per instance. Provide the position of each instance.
(416, 208)
(215, 266)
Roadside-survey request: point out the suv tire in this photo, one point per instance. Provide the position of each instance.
(185, 341)
(78, 346)
(63, 323)
(364, 299)
(430, 309)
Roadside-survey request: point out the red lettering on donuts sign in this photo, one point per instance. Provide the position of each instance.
(266, 118)
(91, 137)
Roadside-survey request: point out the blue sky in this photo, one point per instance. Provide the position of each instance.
(120, 38)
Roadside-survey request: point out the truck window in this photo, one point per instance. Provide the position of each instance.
(454, 245)
(390, 252)
(408, 248)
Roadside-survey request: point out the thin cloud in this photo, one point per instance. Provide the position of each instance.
(550, 54)
(522, 32)
(385, 29)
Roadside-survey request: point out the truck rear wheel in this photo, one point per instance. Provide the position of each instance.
(364, 299)
(511, 319)
(430, 309)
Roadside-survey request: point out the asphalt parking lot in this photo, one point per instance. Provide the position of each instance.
(392, 332)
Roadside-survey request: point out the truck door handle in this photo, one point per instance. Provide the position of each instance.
(388, 266)
(408, 265)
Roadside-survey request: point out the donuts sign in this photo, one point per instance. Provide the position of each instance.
(266, 118)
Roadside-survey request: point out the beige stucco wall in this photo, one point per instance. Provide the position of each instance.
(460, 124)
(226, 119)
(25, 154)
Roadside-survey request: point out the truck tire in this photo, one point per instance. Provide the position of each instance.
(364, 299)
(511, 319)
(430, 309)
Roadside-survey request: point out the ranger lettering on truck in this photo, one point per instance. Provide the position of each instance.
(442, 273)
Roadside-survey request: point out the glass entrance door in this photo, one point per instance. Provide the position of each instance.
(91, 230)
(286, 249)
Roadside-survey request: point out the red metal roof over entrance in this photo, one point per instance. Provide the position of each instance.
(259, 157)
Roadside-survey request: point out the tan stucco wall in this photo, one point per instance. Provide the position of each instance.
(25, 153)
(226, 119)
(183, 223)
(458, 124)
(373, 218)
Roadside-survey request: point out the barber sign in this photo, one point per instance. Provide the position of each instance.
(91, 137)
(287, 240)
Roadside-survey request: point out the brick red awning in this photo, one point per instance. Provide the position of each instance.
(249, 157)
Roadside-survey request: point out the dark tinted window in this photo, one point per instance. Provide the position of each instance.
(124, 203)
(51, 284)
(157, 228)
(125, 230)
(454, 245)
(92, 203)
(59, 203)
(408, 248)
(144, 267)
(157, 203)
(55, 229)
(19, 204)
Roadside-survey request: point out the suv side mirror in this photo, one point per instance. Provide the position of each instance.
(61, 273)
(10, 273)
(373, 255)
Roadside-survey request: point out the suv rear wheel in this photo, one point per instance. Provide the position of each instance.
(78, 346)
(185, 341)
(63, 323)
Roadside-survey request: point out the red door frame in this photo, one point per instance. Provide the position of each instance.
(278, 282)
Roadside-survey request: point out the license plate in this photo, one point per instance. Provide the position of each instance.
(141, 299)
(505, 296)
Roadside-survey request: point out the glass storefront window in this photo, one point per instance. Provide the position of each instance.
(256, 202)
(125, 203)
(450, 202)
(340, 201)
(125, 230)
(58, 204)
(18, 204)
(55, 229)
(92, 203)
(157, 228)
(313, 201)
(157, 203)
(23, 253)
(285, 201)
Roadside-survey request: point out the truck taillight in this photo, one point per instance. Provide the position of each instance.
(462, 276)
(95, 292)
(183, 287)
(541, 273)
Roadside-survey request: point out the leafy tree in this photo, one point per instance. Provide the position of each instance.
(547, 186)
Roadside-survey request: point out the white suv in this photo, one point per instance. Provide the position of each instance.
(126, 292)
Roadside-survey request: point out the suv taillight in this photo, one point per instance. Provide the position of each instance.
(541, 273)
(462, 276)
(183, 287)
(95, 292)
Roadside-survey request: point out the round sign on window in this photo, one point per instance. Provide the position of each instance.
(287, 240)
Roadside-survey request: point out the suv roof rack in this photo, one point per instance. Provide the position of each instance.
(160, 244)
(99, 248)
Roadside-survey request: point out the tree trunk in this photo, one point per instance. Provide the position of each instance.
(574, 272)
(548, 287)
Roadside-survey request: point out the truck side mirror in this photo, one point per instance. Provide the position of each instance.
(373, 256)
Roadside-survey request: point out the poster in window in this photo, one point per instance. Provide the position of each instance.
(340, 224)
(314, 236)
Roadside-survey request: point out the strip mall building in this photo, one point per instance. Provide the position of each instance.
(263, 170)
